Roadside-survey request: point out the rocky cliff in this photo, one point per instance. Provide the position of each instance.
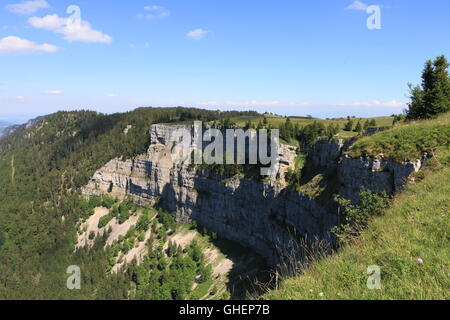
(266, 216)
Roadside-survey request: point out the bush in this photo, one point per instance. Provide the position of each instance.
(167, 220)
(355, 218)
(144, 222)
(104, 220)
(123, 216)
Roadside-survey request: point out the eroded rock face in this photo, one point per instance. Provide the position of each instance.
(326, 153)
(265, 216)
(373, 174)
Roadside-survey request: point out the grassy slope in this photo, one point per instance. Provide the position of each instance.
(414, 227)
(277, 121)
(407, 141)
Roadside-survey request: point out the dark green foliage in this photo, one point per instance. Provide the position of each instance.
(432, 97)
(168, 278)
(104, 220)
(167, 220)
(293, 177)
(366, 125)
(310, 133)
(358, 127)
(354, 218)
(42, 168)
(349, 125)
(143, 223)
(289, 131)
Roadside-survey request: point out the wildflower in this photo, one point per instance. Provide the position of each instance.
(321, 294)
(420, 260)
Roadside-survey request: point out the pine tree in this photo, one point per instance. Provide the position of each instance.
(349, 124)
(437, 98)
(366, 125)
(433, 96)
(358, 127)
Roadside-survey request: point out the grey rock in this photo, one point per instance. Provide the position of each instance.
(265, 216)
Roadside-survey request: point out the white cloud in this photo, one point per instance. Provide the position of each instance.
(300, 104)
(154, 12)
(11, 45)
(54, 92)
(20, 98)
(376, 103)
(71, 32)
(197, 34)
(112, 95)
(357, 5)
(28, 7)
(210, 103)
(240, 103)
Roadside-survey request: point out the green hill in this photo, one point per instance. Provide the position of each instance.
(409, 243)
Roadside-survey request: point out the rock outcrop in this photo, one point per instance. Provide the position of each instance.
(266, 216)
(373, 174)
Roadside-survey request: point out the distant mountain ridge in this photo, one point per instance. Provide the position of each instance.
(3, 126)
(6, 128)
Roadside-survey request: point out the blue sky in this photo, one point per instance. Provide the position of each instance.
(293, 57)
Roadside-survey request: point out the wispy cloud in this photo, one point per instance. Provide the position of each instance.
(19, 98)
(154, 12)
(112, 95)
(197, 34)
(357, 5)
(71, 32)
(376, 103)
(16, 45)
(240, 103)
(54, 92)
(28, 7)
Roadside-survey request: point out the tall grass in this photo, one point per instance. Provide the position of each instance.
(410, 244)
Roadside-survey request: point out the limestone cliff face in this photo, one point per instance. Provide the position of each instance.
(374, 174)
(263, 215)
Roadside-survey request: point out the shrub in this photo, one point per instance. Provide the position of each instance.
(355, 218)
(104, 220)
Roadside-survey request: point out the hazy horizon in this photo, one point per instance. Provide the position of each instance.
(296, 58)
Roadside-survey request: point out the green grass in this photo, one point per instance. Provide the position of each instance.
(406, 142)
(201, 290)
(276, 121)
(414, 227)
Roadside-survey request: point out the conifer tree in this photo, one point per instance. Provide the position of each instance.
(433, 96)
(358, 127)
(349, 124)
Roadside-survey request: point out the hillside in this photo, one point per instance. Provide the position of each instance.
(93, 190)
(3, 126)
(409, 242)
(42, 168)
(276, 121)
